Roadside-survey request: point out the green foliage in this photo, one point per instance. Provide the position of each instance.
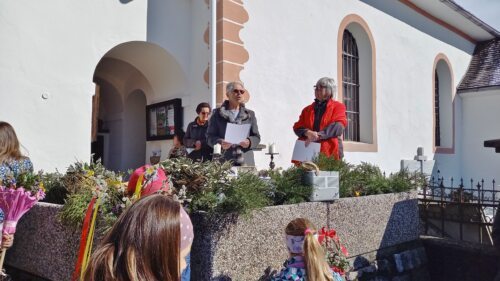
(368, 179)
(73, 211)
(83, 181)
(244, 194)
(211, 187)
(289, 186)
(55, 191)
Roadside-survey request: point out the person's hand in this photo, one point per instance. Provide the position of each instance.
(245, 143)
(7, 240)
(197, 145)
(226, 145)
(311, 136)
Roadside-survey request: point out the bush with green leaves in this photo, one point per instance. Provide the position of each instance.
(245, 193)
(368, 179)
(212, 187)
(288, 186)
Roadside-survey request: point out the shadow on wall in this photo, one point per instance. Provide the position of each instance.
(403, 224)
(416, 20)
(268, 273)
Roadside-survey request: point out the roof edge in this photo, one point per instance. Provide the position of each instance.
(453, 5)
(478, 89)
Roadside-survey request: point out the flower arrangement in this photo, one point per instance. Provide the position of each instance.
(83, 182)
(15, 201)
(336, 253)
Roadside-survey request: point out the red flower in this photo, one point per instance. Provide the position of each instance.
(344, 250)
(338, 270)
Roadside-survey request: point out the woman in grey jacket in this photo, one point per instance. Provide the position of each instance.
(234, 111)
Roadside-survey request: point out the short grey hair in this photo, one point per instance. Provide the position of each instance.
(230, 86)
(329, 84)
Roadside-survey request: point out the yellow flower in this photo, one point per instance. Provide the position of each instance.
(90, 173)
(42, 187)
(357, 193)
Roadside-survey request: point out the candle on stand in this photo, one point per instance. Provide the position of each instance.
(217, 148)
(272, 148)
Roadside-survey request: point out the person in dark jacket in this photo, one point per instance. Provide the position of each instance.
(195, 136)
(234, 111)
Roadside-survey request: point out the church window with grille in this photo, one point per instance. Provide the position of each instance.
(350, 84)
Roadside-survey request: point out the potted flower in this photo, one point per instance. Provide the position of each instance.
(336, 253)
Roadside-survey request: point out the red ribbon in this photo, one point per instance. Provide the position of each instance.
(83, 239)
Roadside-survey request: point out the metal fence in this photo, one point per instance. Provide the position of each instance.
(461, 209)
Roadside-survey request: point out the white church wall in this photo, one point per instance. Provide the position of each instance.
(53, 49)
(287, 59)
(178, 26)
(480, 123)
(198, 90)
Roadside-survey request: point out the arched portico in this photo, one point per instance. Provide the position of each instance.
(128, 77)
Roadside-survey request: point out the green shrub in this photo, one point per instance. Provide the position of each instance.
(73, 211)
(244, 194)
(55, 191)
(289, 187)
(368, 179)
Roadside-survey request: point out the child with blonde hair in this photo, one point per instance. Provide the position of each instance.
(307, 258)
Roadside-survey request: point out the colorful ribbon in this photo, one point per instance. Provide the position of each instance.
(138, 187)
(83, 240)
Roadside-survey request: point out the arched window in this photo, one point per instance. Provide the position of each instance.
(356, 57)
(350, 85)
(443, 109)
(437, 132)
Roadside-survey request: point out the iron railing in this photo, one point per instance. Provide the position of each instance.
(463, 210)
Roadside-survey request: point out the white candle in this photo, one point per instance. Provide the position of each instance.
(272, 148)
(217, 148)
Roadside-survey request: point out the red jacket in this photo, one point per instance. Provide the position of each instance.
(334, 112)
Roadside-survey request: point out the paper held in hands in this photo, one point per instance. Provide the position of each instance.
(302, 153)
(236, 133)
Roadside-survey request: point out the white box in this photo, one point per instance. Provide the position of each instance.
(326, 185)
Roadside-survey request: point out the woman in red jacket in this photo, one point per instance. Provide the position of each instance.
(324, 120)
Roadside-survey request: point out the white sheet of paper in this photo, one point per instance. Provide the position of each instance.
(302, 153)
(236, 133)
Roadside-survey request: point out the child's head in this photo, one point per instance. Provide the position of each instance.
(302, 239)
(149, 241)
(179, 138)
(9, 144)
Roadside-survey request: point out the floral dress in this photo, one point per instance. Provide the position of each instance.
(295, 270)
(13, 168)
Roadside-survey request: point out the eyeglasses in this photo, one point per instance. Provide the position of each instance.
(205, 113)
(236, 91)
(319, 88)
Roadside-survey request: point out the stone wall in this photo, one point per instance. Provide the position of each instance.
(43, 246)
(451, 260)
(237, 248)
(251, 248)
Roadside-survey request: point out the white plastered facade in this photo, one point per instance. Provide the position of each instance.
(56, 49)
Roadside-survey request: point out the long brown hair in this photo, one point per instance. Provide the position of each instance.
(143, 244)
(316, 267)
(9, 144)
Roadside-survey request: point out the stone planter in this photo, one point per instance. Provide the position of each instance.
(251, 248)
(241, 248)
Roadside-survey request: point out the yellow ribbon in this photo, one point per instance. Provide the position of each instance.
(138, 187)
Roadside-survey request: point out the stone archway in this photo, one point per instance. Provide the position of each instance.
(128, 77)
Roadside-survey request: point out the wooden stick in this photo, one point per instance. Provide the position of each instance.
(2, 257)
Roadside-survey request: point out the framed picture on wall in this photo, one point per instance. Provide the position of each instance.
(162, 119)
